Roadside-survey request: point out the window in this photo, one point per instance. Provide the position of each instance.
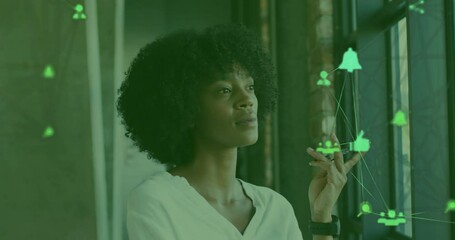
(401, 139)
(402, 99)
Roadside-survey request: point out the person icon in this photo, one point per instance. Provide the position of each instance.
(418, 6)
(391, 219)
(324, 81)
(79, 12)
(327, 148)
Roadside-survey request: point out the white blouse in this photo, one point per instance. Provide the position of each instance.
(167, 207)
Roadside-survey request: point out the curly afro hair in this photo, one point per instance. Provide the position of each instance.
(158, 100)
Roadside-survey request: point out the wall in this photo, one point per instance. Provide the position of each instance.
(46, 183)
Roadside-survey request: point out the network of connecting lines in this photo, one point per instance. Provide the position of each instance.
(360, 142)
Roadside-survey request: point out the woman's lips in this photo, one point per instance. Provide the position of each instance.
(251, 122)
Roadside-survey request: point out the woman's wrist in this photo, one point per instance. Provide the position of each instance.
(321, 216)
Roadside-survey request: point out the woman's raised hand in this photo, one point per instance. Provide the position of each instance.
(328, 181)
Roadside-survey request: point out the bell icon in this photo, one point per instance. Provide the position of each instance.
(399, 119)
(350, 61)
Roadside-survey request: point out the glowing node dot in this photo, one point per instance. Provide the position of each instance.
(366, 208)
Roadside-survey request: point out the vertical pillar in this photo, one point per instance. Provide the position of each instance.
(293, 106)
(96, 117)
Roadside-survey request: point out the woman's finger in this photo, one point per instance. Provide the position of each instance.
(353, 161)
(317, 155)
(324, 165)
(319, 172)
(335, 177)
(339, 161)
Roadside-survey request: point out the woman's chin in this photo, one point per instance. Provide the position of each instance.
(249, 142)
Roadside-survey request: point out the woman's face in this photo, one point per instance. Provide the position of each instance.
(223, 104)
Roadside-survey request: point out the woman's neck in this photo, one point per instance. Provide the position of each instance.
(215, 182)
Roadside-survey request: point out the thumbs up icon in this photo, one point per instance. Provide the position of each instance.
(360, 144)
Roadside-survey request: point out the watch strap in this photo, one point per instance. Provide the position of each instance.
(331, 228)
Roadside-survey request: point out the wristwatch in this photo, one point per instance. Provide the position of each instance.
(332, 228)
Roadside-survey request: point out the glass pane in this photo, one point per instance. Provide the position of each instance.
(402, 152)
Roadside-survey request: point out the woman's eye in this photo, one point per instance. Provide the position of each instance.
(227, 90)
(223, 90)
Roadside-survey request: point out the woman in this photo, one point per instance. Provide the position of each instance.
(190, 100)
